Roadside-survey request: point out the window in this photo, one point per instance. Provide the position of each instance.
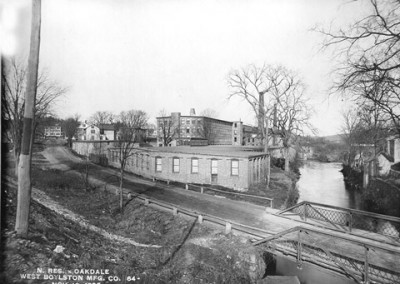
(235, 167)
(137, 160)
(195, 165)
(214, 167)
(93, 131)
(235, 139)
(175, 165)
(235, 125)
(147, 162)
(158, 164)
(187, 130)
(235, 132)
(141, 161)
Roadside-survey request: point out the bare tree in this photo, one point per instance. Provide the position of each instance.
(24, 171)
(131, 123)
(102, 117)
(167, 131)
(292, 112)
(283, 90)
(369, 65)
(70, 126)
(351, 128)
(251, 84)
(47, 93)
(206, 130)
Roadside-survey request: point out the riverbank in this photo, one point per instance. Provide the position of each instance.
(381, 196)
(282, 188)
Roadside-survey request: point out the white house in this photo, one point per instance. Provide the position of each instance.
(53, 131)
(88, 132)
(107, 132)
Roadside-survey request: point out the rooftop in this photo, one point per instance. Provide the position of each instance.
(231, 151)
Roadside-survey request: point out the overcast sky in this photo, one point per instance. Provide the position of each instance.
(176, 54)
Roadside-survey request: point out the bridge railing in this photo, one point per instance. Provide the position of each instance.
(362, 262)
(346, 219)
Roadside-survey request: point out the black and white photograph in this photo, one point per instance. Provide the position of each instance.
(200, 141)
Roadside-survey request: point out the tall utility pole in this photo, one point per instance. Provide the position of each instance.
(24, 168)
(263, 127)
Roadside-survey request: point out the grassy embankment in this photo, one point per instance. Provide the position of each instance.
(189, 253)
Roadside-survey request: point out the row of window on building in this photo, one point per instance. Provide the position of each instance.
(136, 160)
(195, 165)
(143, 161)
(191, 121)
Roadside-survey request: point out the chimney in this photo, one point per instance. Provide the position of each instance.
(192, 112)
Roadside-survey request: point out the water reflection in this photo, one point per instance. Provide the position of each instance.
(323, 183)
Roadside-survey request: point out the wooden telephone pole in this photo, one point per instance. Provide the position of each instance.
(24, 168)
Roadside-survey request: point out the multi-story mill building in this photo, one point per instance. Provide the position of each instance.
(177, 129)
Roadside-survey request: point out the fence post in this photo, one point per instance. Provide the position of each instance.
(186, 186)
(305, 211)
(228, 228)
(202, 190)
(299, 250)
(175, 211)
(200, 219)
(366, 266)
(272, 203)
(350, 221)
(146, 201)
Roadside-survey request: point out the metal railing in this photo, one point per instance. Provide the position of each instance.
(348, 220)
(364, 263)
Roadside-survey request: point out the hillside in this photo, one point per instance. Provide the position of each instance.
(337, 138)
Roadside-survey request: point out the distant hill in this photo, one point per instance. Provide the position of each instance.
(338, 138)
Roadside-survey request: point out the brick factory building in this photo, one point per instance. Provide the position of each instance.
(225, 166)
(177, 130)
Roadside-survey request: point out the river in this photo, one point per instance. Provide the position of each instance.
(323, 183)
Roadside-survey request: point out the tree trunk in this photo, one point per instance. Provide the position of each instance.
(87, 172)
(17, 152)
(286, 151)
(24, 172)
(268, 178)
(121, 196)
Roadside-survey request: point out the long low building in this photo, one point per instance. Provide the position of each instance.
(225, 166)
